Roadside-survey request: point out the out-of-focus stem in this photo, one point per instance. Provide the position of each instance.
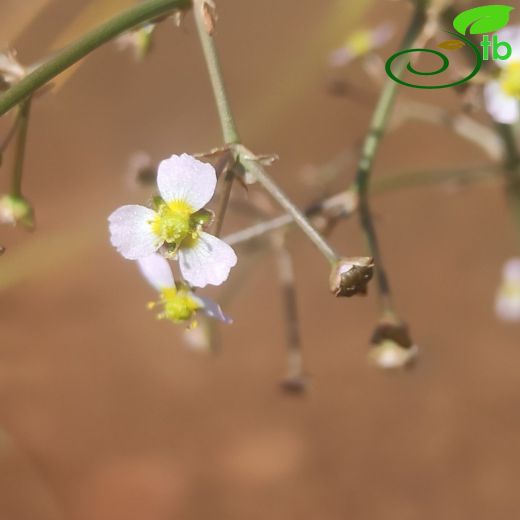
(294, 380)
(381, 185)
(62, 60)
(371, 144)
(512, 170)
(19, 153)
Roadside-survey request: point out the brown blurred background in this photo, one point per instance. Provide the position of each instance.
(106, 415)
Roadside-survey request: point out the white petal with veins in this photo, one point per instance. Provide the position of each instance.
(185, 178)
(131, 232)
(207, 262)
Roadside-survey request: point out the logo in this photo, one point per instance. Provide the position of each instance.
(479, 20)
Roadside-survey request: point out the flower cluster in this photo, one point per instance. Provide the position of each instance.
(173, 228)
(502, 94)
(361, 43)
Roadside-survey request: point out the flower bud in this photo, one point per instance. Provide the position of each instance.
(2, 250)
(16, 210)
(350, 276)
(507, 301)
(391, 346)
(140, 41)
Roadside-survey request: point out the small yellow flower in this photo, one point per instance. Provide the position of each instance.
(177, 302)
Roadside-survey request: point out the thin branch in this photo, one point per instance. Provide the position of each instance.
(252, 166)
(371, 144)
(203, 17)
(294, 381)
(204, 21)
(341, 205)
(21, 140)
(62, 60)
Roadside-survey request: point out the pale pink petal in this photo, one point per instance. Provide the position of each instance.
(157, 271)
(507, 306)
(511, 35)
(501, 107)
(131, 233)
(511, 270)
(185, 178)
(208, 262)
(212, 309)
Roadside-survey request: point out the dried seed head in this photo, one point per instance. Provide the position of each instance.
(16, 210)
(392, 347)
(350, 276)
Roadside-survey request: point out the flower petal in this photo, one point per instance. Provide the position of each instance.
(511, 35)
(185, 178)
(207, 262)
(503, 108)
(157, 271)
(511, 270)
(212, 309)
(131, 233)
(507, 306)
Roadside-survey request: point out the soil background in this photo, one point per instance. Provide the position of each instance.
(106, 415)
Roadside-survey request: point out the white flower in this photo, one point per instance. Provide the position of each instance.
(502, 95)
(361, 43)
(507, 302)
(179, 304)
(186, 185)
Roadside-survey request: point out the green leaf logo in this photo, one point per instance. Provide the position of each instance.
(485, 19)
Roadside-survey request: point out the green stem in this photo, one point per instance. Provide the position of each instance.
(371, 144)
(215, 74)
(225, 193)
(512, 169)
(141, 13)
(19, 153)
(381, 185)
(231, 136)
(252, 166)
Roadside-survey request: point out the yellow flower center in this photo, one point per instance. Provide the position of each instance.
(173, 222)
(510, 79)
(511, 290)
(178, 305)
(360, 43)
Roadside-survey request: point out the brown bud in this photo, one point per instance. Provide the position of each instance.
(2, 250)
(392, 346)
(350, 276)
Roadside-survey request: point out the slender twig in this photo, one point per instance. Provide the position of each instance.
(19, 154)
(378, 186)
(294, 380)
(371, 144)
(133, 17)
(9, 136)
(203, 18)
(224, 194)
(511, 169)
(252, 166)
